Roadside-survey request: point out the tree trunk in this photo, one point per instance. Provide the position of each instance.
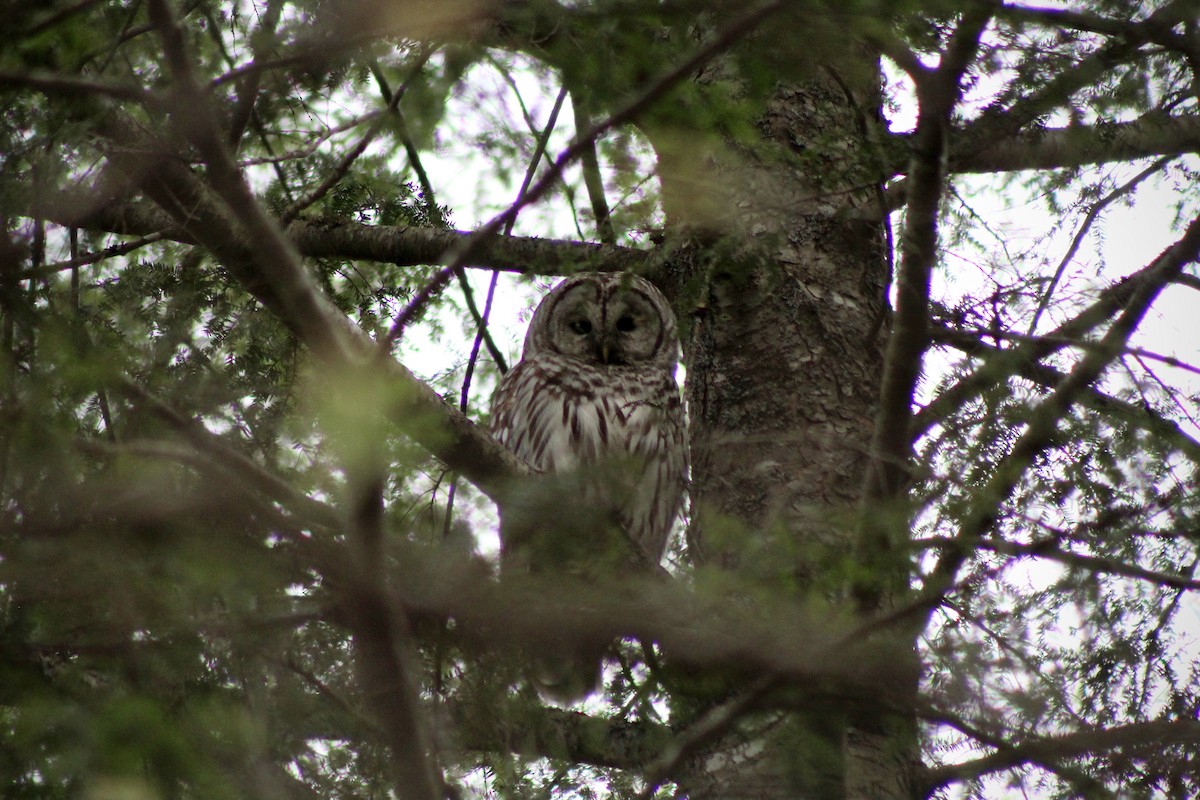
(784, 359)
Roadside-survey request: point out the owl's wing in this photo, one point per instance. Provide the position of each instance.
(532, 416)
(656, 436)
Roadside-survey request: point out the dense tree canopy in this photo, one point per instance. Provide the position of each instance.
(264, 260)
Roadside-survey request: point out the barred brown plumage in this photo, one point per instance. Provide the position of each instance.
(594, 397)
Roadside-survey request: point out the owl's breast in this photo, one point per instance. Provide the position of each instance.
(562, 415)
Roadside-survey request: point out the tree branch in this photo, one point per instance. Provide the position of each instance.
(938, 93)
(1050, 550)
(1085, 785)
(49, 82)
(385, 663)
(404, 245)
(270, 269)
(1088, 221)
(1151, 135)
(1157, 27)
(380, 636)
(715, 721)
(514, 726)
(250, 473)
(1011, 361)
(464, 251)
(1039, 434)
(800, 646)
(1043, 375)
(1143, 736)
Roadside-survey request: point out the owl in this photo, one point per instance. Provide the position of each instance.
(594, 397)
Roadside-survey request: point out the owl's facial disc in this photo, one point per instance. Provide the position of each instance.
(609, 325)
(633, 331)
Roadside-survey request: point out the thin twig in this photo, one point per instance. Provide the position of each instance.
(1089, 220)
(410, 147)
(61, 15)
(530, 171)
(709, 725)
(416, 305)
(593, 180)
(248, 87)
(568, 191)
(482, 331)
(249, 472)
(1110, 301)
(91, 258)
(352, 154)
(1167, 389)
(316, 142)
(435, 214)
(329, 693)
(482, 334)
(1063, 343)
(996, 359)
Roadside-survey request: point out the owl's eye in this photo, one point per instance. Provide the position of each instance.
(625, 323)
(580, 326)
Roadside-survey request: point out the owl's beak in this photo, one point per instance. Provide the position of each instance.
(610, 351)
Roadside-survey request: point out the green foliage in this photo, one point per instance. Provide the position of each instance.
(191, 501)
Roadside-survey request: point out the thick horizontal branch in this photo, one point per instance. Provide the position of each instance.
(57, 83)
(399, 244)
(1053, 148)
(1149, 737)
(503, 724)
(1056, 148)
(413, 245)
(1043, 148)
(807, 653)
(804, 647)
(1081, 145)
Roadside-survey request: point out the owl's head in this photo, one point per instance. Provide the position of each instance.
(605, 318)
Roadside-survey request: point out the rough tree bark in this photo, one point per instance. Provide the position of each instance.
(784, 359)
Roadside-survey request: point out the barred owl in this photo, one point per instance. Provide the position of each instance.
(594, 397)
